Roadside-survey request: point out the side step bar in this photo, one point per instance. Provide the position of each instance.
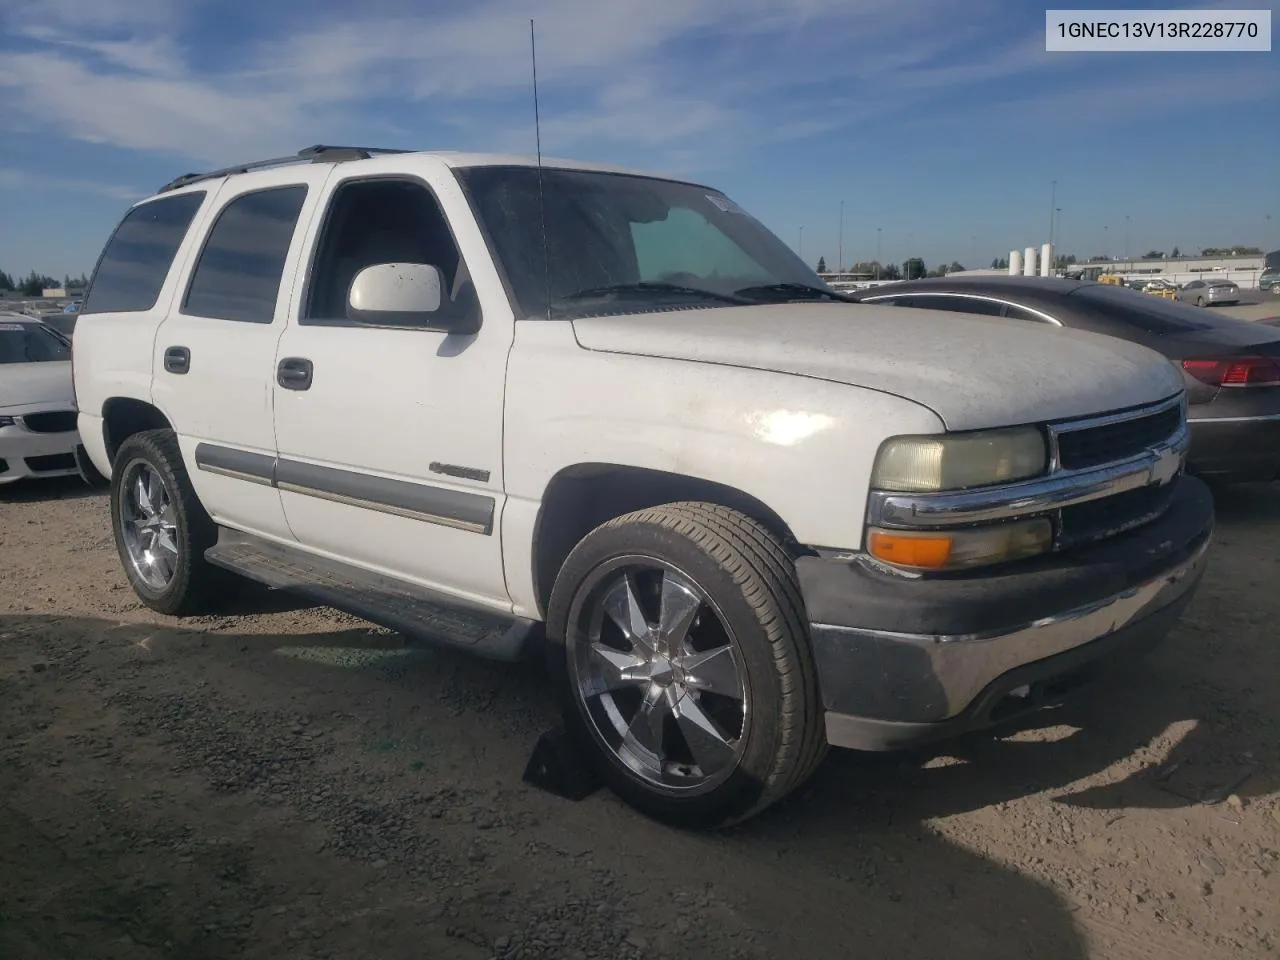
(407, 608)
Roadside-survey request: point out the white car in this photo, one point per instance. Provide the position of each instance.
(38, 435)
(492, 403)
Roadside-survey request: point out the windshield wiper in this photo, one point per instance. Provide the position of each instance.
(790, 293)
(623, 289)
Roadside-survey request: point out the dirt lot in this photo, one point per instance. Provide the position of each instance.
(286, 782)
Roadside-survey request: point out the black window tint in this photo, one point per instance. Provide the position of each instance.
(1145, 312)
(137, 258)
(24, 342)
(383, 221)
(238, 274)
(1017, 313)
(958, 305)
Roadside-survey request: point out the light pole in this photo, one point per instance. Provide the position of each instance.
(1053, 201)
(1058, 226)
(841, 236)
(877, 253)
(1127, 264)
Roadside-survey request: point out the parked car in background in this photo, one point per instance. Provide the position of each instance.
(1270, 283)
(1207, 293)
(38, 436)
(1231, 367)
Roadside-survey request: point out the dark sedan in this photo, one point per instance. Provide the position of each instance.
(1231, 367)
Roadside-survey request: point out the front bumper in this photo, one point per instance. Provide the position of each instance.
(24, 453)
(1242, 448)
(902, 661)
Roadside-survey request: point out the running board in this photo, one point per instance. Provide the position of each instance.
(416, 612)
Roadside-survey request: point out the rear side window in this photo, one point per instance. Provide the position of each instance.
(139, 254)
(986, 308)
(238, 274)
(1018, 313)
(1141, 311)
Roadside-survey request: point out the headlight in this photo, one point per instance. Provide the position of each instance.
(957, 461)
(961, 549)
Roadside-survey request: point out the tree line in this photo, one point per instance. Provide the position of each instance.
(33, 284)
(911, 269)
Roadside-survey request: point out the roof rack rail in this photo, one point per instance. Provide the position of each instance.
(320, 153)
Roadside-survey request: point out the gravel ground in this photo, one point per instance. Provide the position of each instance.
(284, 781)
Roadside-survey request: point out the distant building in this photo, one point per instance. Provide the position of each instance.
(53, 292)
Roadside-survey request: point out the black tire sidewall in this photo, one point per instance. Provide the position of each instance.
(143, 448)
(640, 539)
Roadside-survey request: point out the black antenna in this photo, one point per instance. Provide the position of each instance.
(537, 132)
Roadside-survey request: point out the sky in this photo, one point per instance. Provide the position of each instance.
(942, 126)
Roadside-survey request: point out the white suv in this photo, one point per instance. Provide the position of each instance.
(492, 403)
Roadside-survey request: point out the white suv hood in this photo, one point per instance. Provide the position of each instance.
(973, 372)
(37, 384)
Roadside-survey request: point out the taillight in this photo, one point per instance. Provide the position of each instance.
(1235, 371)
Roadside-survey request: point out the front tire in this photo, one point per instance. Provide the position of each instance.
(160, 527)
(680, 641)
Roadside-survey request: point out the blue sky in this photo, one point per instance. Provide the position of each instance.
(942, 123)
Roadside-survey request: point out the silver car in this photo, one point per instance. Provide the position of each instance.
(1203, 293)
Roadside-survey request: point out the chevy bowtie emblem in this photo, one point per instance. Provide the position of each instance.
(1165, 468)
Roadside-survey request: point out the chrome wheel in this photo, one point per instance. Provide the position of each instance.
(149, 524)
(660, 676)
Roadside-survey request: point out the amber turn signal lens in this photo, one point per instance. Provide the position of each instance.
(963, 548)
(929, 552)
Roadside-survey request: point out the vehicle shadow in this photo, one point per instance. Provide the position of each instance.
(34, 490)
(847, 871)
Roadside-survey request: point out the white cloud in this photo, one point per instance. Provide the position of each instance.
(673, 79)
(115, 72)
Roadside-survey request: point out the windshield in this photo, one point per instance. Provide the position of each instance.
(626, 244)
(30, 343)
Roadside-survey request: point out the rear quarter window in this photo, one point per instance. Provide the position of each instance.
(137, 258)
(1142, 311)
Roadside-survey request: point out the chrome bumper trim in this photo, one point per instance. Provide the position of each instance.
(960, 666)
(1260, 418)
(1157, 465)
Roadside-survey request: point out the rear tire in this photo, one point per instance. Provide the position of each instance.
(679, 642)
(1199, 301)
(160, 527)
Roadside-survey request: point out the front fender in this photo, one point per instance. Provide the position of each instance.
(804, 447)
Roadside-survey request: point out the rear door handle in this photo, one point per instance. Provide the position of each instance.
(177, 359)
(294, 373)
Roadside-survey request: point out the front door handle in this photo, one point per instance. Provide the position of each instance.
(177, 359)
(294, 373)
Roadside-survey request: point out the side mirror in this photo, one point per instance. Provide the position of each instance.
(397, 294)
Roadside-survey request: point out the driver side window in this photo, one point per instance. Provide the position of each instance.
(383, 221)
(685, 245)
